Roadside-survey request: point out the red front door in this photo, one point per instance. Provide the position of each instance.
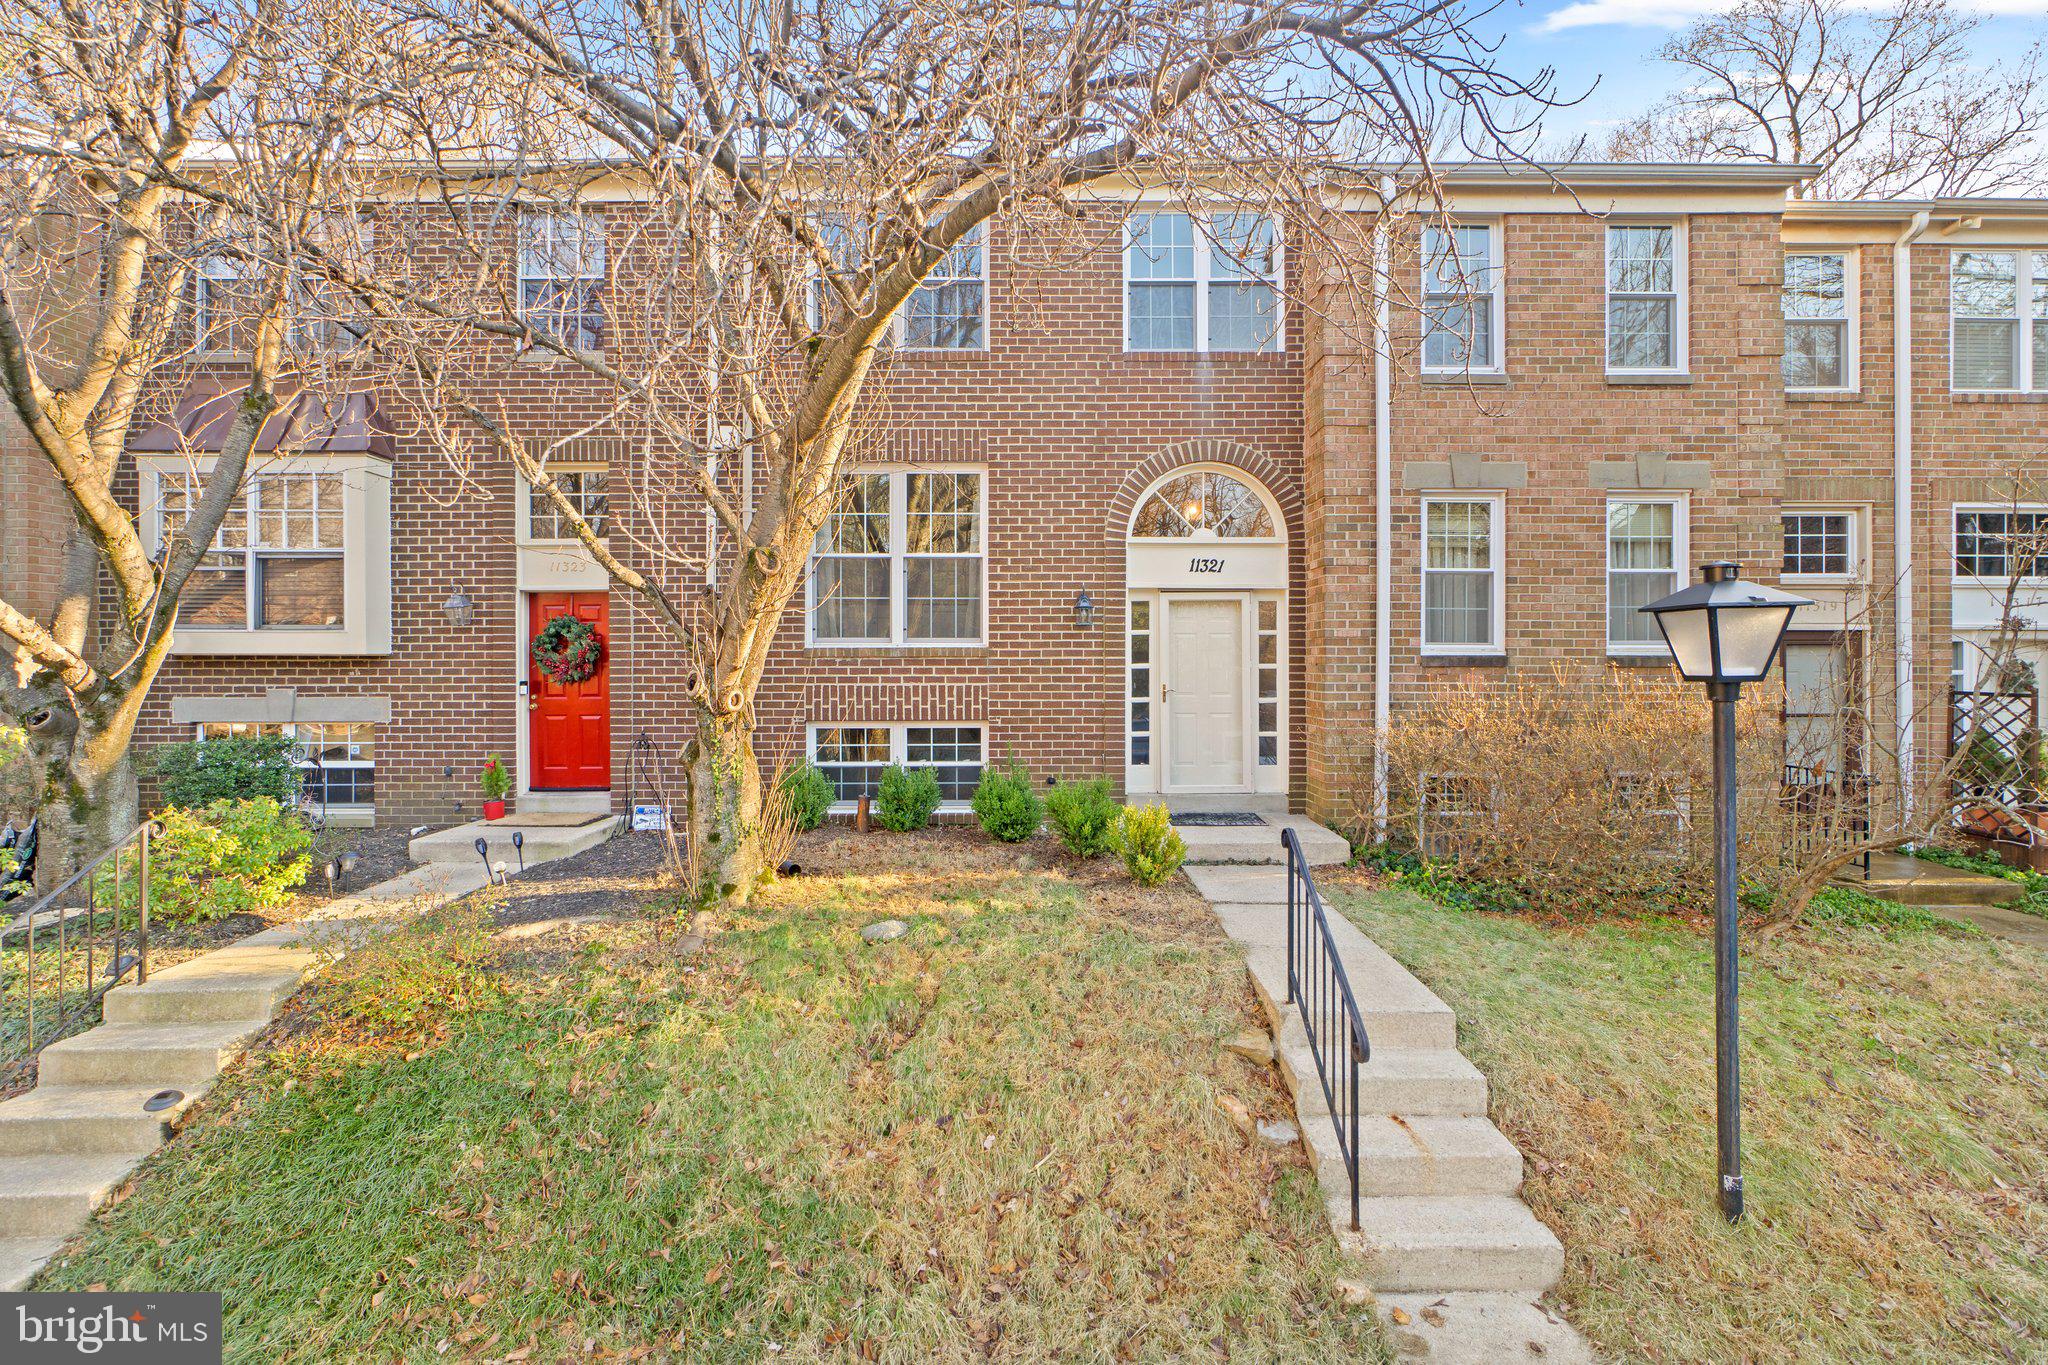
(570, 726)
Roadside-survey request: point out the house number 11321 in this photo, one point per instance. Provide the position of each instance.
(1199, 565)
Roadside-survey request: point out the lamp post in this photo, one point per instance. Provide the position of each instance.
(1725, 632)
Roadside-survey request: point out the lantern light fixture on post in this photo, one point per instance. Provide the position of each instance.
(1725, 632)
(460, 611)
(1084, 610)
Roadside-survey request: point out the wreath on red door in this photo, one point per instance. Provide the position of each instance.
(568, 650)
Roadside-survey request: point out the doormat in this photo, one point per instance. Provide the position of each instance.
(1218, 817)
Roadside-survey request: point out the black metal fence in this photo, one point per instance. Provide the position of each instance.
(1317, 984)
(59, 958)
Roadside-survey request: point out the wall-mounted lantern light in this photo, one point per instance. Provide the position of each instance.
(1084, 610)
(460, 611)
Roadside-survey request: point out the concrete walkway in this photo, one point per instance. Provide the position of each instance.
(1954, 892)
(67, 1145)
(1456, 1261)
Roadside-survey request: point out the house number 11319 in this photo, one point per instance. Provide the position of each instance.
(1199, 565)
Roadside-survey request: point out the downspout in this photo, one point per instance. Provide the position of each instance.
(1902, 504)
(1383, 508)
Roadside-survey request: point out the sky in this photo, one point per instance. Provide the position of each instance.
(1611, 46)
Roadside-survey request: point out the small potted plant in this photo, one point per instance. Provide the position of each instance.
(496, 782)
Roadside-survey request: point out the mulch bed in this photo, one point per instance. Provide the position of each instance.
(617, 878)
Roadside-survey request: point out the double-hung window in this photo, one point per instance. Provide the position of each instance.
(2001, 544)
(1201, 284)
(1645, 298)
(853, 757)
(901, 559)
(586, 490)
(949, 310)
(1998, 321)
(277, 559)
(1818, 543)
(1461, 302)
(220, 306)
(1461, 575)
(561, 276)
(1819, 309)
(1645, 546)
(336, 760)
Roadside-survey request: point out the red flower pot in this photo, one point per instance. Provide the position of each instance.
(494, 810)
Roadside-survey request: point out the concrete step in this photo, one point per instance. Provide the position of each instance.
(233, 983)
(1398, 1012)
(1488, 1243)
(1498, 1329)
(157, 1055)
(1261, 843)
(1406, 1081)
(48, 1196)
(87, 1119)
(543, 842)
(1420, 1154)
(22, 1257)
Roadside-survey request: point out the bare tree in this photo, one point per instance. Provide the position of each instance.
(713, 220)
(1887, 102)
(101, 103)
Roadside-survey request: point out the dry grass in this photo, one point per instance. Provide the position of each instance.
(1896, 1098)
(994, 1138)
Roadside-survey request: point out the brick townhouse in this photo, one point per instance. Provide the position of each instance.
(1145, 517)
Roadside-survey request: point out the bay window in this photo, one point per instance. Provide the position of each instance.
(1998, 321)
(276, 560)
(901, 559)
(1645, 546)
(1645, 298)
(1208, 284)
(1461, 575)
(1818, 307)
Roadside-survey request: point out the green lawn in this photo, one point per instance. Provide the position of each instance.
(1896, 1111)
(997, 1137)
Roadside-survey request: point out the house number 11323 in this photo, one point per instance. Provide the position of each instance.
(1199, 565)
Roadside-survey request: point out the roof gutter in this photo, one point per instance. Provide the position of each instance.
(1902, 503)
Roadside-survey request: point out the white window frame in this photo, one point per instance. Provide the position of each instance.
(1956, 514)
(1204, 244)
(1496, 505)
(899, 749)
(2030, 268)
(591, 219)
(1854, 573)
(1681, 351)
(1852, 319)
(899, 566)
(527, 527)
(289, 729)
(1681, 552)
(900, 331)
(1496, 294)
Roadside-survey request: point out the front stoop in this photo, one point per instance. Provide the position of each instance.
(1456, 1261)
(67, 1145)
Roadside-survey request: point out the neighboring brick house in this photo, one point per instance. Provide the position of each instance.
(1159, 433)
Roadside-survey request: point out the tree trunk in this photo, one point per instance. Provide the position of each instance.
(89, 796)
(724, 853)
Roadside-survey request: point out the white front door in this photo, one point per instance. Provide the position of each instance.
(1205, 711)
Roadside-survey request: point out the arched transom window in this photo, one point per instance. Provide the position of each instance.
(1204, 504)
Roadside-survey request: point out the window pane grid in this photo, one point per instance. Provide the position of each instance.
(1458, 298)
(952, 752)
(2001, 544)
(1642, 297)
(901, 558)
(853, 758)
(277, 559)
(1458, 574)
(1268, 663)
(946, 312)
(1987, 341)
(336, 759)
(1816, 543)
(1212, 288)
(586, 491)
(561, 276)
(1641, 567)
(1141, 681)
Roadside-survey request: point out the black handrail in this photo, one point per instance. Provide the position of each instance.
(69, 943)
(1317, 984)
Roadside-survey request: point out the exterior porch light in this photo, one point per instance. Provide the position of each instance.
(460, 611)
(1725, 632)
(1084, 610)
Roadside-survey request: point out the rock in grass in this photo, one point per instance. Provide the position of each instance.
(1252, 1045)
(884, 930)
(1279, 1132)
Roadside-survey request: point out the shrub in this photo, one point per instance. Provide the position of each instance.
(806, 796)
(224, 858)
(907, 798)
(1084, 816)
(1005, 804)
(493, 779)
(1151, 850)
(198, 773)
